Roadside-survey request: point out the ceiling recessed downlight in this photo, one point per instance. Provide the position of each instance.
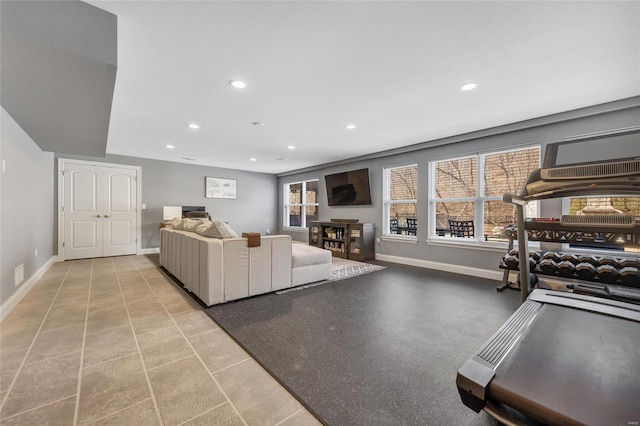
(258, 123)
(350, 126)
(291, 147)
(468, 86)
(238, 84)
(253, 159)
(170, 146)
(193, 125)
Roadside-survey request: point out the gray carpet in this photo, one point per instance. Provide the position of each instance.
(382, 350)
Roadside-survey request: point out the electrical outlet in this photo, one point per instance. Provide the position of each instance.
(268, 231)
(4, 166)
(378, 240)
(18, 275)
(36, 253)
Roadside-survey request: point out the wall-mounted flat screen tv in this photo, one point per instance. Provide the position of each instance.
(348, 188)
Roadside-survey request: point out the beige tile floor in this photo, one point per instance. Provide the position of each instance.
(112, 341)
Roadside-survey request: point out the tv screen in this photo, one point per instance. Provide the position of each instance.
(348, 188)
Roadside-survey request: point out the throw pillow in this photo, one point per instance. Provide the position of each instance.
(190, 224)
(176, 223)
(217, 229)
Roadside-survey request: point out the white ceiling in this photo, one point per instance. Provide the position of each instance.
(392, 68)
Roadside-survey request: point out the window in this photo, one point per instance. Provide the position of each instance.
(467, 191)
(301, 197)
(401, 201)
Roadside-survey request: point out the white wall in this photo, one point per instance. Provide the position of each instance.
(26, 208)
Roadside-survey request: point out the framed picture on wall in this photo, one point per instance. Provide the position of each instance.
(220, 188)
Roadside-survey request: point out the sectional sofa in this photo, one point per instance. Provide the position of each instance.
(219, 270)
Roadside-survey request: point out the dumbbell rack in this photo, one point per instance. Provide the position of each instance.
(554, 230)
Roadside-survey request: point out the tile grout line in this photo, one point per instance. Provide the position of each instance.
(170, 362)
(203, 413)
(76, 409)
(157, 329)
(244, 422)
(203, 332)
(105, 329)
(52, 357)
(290, 416)
(117, 412)
(38, 407)
(108, 360)
(135, 339)
(17, 373)
(232, 365)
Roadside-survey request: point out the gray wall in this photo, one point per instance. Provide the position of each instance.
(470, 257)
(27, 202)
(166, 183)
(58, 62)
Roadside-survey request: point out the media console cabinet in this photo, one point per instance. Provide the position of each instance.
(349, 240)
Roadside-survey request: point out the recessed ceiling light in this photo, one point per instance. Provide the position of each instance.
(291, 147)
(188, 159)
(281, 159)
(238, 84)
(350, 126)
(253, 159)
(258, 123)
(468, 86)
(170, 146)
(193, 125)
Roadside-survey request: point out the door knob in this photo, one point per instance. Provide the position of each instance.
(98, 216)
(106, 215)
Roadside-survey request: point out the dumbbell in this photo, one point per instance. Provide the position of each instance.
(611, 261)
(511, 260)
(630, 276)
(533, 280)
(569, 257)
(566, 268)
(608, 273)
(585, 271)
(587, 258)
(551, 255)
(630, 263)
(548, 266)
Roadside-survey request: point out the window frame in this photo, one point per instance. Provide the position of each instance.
(303, 204)
(387, 202)
(478, 200)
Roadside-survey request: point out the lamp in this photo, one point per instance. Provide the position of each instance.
(169, 212)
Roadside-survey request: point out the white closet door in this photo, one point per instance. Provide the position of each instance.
(83, 203)
(99, 208)
(119, 212)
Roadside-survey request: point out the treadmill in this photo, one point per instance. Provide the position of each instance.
(568, 357)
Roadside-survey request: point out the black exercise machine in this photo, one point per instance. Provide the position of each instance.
(569, 357)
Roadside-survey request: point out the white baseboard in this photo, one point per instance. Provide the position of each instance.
(24, 288)
(447, 267)
(149, 250)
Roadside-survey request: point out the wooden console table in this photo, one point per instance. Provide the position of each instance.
(351, 240)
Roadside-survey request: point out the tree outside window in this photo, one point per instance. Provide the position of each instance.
(470, 189)
(301, 203)
(401, 200)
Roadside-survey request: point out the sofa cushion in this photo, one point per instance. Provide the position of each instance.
(176, 223)
(304, 255)
(217, 229)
